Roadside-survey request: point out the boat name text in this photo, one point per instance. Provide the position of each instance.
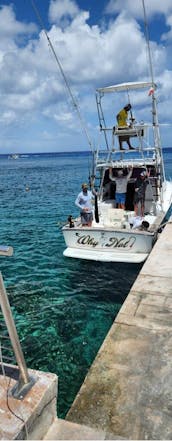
(112, 242)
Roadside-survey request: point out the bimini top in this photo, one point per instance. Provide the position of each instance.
(127, 86)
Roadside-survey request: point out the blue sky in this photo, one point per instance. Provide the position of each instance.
(98, 43)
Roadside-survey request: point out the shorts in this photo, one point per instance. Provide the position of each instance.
(124, 137)
(120, 198)
(138, 199)
(86, 218)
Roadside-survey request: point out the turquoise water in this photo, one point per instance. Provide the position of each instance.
(63, 308)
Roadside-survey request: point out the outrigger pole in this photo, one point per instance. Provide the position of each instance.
(75, 104)
(154, 105)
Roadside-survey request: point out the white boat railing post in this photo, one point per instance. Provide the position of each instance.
(25, 382)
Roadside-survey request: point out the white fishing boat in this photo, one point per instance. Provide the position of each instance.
(124, 234)
(118, 235)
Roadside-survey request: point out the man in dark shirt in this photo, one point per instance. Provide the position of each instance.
(140, 190)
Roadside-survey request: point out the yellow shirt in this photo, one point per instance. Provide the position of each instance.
(122, 118)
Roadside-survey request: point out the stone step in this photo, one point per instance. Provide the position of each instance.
(65, 430)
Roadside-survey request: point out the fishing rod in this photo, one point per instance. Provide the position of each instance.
(154, 110)
(75, 104)
(156, 131)
(131, 113)
(148, 43)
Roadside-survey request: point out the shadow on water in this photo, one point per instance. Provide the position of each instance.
(103, 281)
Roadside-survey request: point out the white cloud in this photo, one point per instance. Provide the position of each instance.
(62, 11)
(168, 35)
(34, 97)
(7, 117)
(10, 27)
(135, 8)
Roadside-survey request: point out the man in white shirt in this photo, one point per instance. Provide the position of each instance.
(121, 186)
(84, 202)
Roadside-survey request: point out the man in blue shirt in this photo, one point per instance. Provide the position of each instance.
(84, 202)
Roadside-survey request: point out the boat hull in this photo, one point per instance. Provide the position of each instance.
(108, 245)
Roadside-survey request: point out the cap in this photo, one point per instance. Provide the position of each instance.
(120, 172)
(143, 173)
(128, 106)
(84, 185)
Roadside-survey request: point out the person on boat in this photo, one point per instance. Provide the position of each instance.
(140, 189)
(121, 185)
(122, 118)
(84, 203)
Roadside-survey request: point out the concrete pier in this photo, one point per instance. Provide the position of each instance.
(128, 390)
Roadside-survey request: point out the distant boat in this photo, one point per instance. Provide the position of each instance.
(13, 156)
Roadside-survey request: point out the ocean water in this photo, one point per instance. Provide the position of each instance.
(63, 308)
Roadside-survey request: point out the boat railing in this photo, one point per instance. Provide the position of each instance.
(134, 131)
(12, 361)
(127, 156)
(142, 132)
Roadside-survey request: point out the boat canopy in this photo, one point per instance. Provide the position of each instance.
(127, 86)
